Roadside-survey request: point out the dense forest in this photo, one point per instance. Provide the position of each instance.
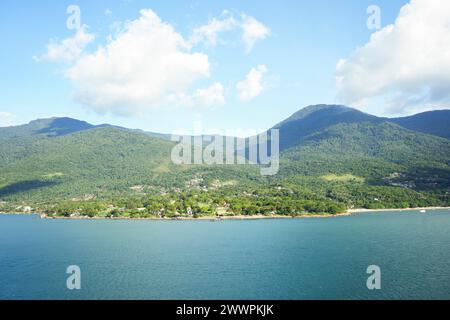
(332, 158)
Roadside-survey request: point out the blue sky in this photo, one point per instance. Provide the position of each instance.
(300, 54)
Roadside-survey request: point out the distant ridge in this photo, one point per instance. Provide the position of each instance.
(431, 122)
(60, 126)
(292, 130)
(46, 127)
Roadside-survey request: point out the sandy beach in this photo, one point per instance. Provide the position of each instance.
(185, 218)
(204, 218)
(237, 217)
(353, 211)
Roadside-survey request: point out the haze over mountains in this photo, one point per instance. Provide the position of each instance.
(65, 158)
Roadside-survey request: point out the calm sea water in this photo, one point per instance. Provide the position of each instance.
(264, 259)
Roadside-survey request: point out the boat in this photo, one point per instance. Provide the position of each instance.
(423, 211)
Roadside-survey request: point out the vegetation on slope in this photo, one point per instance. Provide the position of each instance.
(333, 158)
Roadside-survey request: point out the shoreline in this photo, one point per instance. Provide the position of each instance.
(204, 218)
(361, 210)
(349, 212)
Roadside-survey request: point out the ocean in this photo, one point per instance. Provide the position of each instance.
(314, 258)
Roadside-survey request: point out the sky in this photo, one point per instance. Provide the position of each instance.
(219, 66)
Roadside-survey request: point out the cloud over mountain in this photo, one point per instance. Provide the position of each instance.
(405, 67)
(6, 119)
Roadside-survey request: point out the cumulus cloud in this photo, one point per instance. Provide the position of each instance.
(209, 32)
(252, 86)
(144, 65)
(211, 96)
(68, 49)
(405, 67)
(253, 30)
(6, 119)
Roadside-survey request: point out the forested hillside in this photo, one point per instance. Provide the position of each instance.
(332, 158)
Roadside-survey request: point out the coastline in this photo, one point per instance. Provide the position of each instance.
(204, 218)
(353, 211)
(349, 212)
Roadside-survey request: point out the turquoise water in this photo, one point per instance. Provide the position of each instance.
(263, 259)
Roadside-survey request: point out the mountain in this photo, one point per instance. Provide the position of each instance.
(46, 127)
(54, 127)
(315, 118)
(340, 130)
(432, 122)
(86, 160)
(330, 155)
(336, 139)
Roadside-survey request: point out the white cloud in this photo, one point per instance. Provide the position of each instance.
(208, 33)
(253, 30)
(6, 119)
(146, 63)
(68, 49)
(405, 67)
(252, 86)
(211, 96)
(143, 66)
